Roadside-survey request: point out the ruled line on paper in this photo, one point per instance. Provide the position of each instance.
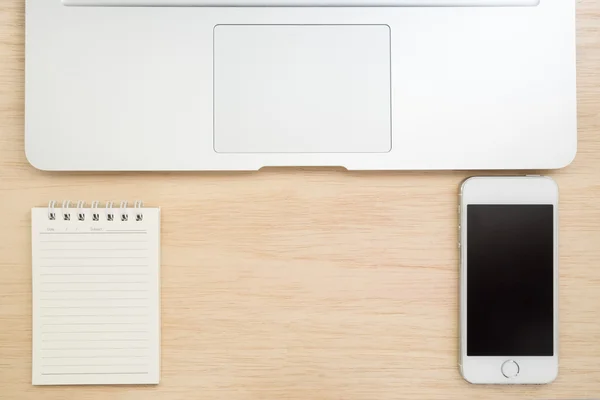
(91, 315)
(94, 365)
(95, 340)
(126, 230)
(92, 258)
(90, 323)
(93, 282)
(86, 332)
(92, 307)
(93, 266)
(97, 373)
(97, 249)
(74, 357)
(93, 290)
(93, 241)
(97, 233)
(96, 348)
(55, 287)
(126, 274)
(92, 298)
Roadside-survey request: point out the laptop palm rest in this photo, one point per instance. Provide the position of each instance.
(302, 89)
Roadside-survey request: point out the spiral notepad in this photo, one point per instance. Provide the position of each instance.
(96, 294)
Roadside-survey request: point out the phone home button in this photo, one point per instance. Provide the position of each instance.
(510, 369)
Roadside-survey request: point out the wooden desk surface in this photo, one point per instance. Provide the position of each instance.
(303, 284)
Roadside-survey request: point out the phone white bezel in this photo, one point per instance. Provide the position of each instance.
(506, 190)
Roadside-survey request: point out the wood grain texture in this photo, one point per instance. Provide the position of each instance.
(303, 283)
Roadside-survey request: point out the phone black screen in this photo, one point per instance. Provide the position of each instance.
(510, 280)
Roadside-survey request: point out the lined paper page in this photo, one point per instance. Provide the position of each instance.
(96, 298)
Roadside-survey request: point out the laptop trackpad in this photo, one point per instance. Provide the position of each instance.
(302, 89)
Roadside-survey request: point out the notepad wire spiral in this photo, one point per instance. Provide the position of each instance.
(110, 212)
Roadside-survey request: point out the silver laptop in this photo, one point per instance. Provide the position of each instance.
(246, 84)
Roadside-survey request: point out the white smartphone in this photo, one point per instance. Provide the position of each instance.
(508, 280)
